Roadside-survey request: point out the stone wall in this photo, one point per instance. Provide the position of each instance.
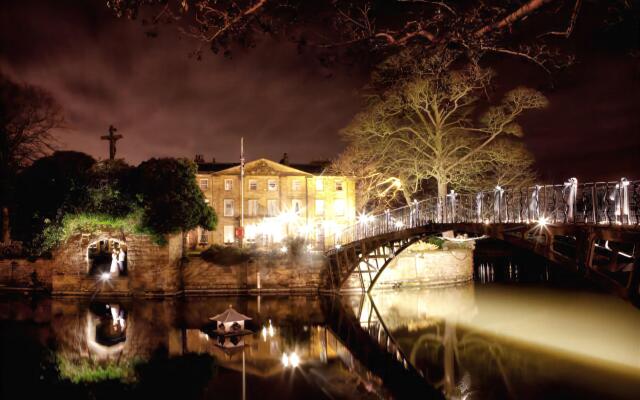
(19, 273)
(152, 269)
(281, 275)
(437, 267)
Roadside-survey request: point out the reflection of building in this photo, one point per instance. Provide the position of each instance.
(279, 201)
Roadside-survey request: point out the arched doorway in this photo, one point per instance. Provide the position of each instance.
(101, 254)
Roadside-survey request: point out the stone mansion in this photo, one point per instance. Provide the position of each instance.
(281, 200)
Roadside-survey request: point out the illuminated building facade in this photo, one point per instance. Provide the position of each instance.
(280, 201)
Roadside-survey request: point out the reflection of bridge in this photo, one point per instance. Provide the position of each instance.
(369, 340)
(591, 227)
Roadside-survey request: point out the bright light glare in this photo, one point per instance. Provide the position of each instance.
(284, 249)
(294, 359)
(398, 224)
(285, 360)
(105, 276)
(543, 221)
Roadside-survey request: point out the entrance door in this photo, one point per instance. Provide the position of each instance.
(228, 234)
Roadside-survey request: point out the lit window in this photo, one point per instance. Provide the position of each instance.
(228, 184)
(253, 184)
(228, 234)
(319, 185)
(296, 206)
(253, 207)
(272, 185)
(204, 184)
(228, 207)
(204, 237)
(296, 185)
(338, 207)
(338, 186)
(319, 207)
(272, 207)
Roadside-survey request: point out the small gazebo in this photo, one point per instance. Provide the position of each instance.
(230, 321)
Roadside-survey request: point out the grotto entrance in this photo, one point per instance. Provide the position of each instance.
(102, 253)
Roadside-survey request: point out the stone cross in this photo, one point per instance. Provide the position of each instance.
(112, 141)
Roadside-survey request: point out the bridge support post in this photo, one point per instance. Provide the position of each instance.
(633, 285)
(585, 248)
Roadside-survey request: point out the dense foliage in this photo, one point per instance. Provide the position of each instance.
(27, 115)
(172, 201)
(69, 192)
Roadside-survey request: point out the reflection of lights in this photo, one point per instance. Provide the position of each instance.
(486, 222)
(271, 330)
(398, 224)
(290, 360)
(309, 247)
(268, 331)
(338, 246)
(283, 249)
(105, 276)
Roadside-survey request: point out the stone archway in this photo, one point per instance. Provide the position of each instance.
(98, 255)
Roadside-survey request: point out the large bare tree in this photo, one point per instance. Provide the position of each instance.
(27, 116)
(429, 128)
(528, 29)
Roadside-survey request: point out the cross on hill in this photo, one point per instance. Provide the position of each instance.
(112, 141)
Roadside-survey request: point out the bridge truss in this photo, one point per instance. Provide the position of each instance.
(591, 227)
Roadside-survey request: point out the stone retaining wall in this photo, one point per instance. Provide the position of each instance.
(438, 267)
(19, 273)
(282, 276)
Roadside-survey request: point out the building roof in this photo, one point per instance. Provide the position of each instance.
(229, 315)
(313, 168)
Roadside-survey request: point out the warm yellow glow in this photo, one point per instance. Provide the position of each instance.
(543, 221)
(285, 360)
(590, 327)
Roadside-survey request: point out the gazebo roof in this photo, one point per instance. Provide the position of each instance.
(229, 315)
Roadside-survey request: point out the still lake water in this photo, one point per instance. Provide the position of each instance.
(522, 330)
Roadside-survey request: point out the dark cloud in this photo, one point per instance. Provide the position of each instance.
(167, 104)
(108, 71)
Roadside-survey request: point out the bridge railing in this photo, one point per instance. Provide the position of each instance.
(569, 203)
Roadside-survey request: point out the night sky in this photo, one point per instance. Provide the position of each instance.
(108, 71)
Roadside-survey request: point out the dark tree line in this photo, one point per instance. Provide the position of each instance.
(28, 114)
(40, 187)
(160, 196)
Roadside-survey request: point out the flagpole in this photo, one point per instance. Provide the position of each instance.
(242, 190)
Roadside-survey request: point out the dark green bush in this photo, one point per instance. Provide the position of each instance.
(225, 255)
(435, 240)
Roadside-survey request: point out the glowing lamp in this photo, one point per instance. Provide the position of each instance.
(105, 276)
(294, 359)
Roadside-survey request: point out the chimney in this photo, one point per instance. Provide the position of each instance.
(285, 159)
(199, 159)
(213, 160)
